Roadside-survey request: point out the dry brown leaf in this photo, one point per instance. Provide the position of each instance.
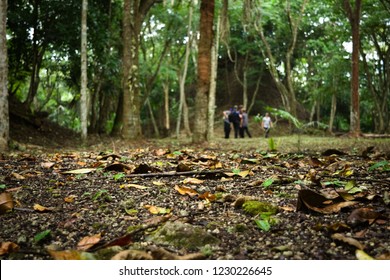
(17, 176)
(88, 242)
(47, 164)
(70, 198)
(6, 202)
(157, 210)
(348, 240)
(193, 181)
(65, 255)
(308, 199)
(363, 215)
(185, 190)
(40, 208)
(8, 247)
(208, 196)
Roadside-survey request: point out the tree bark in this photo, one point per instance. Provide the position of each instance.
(84, 77)
(204, 70)
(354, 19)
(4, 114)
(134, 12)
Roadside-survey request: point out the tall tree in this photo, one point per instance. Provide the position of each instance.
(353, 13)
(204, 70)
(84, 77)
(4, 117)
(134, 12)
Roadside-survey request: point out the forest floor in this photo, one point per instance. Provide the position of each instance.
(322, 198)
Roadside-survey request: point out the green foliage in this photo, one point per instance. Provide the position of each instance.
(42, 236)
(118, 176)
(382, 165)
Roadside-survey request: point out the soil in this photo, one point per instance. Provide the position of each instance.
(111, 198)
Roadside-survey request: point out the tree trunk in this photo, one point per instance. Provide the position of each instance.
(332, 112)
(204, 70)
(213, 83)
(134, 12)
(183, 110)
(354, 19)
(4, 114)
(84, 78)
(167, 120)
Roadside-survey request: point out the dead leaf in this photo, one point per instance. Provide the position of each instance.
(133, 186)
(40, 208)
(88, 242)
(119, 167)
(17, 176)
(208, 196)
(157, 210)
(310, 200)
(65, 255)
(6, 202)
(70, 198)
(80, 171)
(363, 215)
(47, 164)
(361, 255)
(348, 240)
(185, 190)
(193, 181)
(8, 247)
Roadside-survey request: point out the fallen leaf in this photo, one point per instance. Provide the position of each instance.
(348, 240)
(208, 196)
(157, 210)
(361, 255)
(363, 215)
(308, 199)
(185, 190)
(193, 181)
(70, 198)
(158, 183)
(17, 176)
(71, 255)
(88, 242)
(133, 186)
(40, 208)
(6, 202)
(80, 171)
(8, 247)
(47, 164)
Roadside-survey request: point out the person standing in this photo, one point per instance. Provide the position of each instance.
(266, 124)
(244, 124)
(226, 123)
(234, 118)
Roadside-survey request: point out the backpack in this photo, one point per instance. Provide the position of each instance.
(234, 117)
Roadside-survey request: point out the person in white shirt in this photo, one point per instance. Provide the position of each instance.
(266, 124)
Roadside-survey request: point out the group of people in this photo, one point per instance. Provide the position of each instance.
(237, 118)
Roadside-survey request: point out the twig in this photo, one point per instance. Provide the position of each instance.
(169, 174)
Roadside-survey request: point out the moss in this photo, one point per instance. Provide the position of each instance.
(254, 208)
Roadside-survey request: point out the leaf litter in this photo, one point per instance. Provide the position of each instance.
(111, 207)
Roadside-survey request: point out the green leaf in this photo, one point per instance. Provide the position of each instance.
(268, 182)
(118, 176)
(3, 187)
(384, 164)
(263, 225)
(42, 235)
(351, 188)
(99, 194)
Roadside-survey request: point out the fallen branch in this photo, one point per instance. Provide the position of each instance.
(174, 173)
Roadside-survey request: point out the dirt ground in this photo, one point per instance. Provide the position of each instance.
(317, 198)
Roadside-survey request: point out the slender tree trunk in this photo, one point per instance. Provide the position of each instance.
(183, 110)
(204, 70)
(167, 120)
(84, 77)
(213, 83)
(354, 19)
(332, 112)
(4, 114)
